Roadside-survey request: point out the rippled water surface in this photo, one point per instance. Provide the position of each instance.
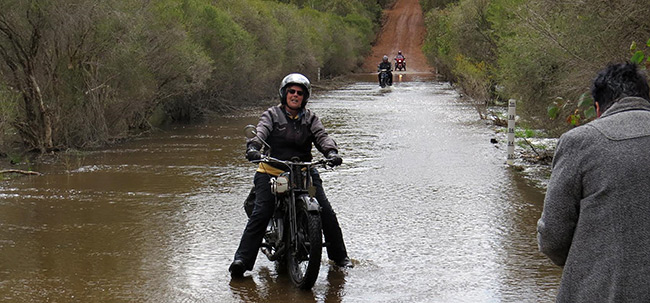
(429, 211)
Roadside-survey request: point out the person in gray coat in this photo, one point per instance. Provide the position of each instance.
(596, 217)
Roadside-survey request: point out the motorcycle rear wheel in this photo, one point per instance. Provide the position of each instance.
(303, 260)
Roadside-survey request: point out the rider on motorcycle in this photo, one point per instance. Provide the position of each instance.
(400, 56)
(290, 129)
(385, 64)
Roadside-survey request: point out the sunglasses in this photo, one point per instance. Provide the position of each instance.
(293, 91)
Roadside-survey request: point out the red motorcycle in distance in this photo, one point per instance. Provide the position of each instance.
(400, 64)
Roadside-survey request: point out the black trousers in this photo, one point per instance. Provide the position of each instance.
(251, 240)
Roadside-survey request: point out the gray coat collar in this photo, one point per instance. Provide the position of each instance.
(626, 119)
(625, 104)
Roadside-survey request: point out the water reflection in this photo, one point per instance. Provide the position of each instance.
(267, 286)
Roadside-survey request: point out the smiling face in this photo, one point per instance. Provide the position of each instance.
(295, 96)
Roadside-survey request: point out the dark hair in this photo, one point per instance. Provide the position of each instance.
(617, 81)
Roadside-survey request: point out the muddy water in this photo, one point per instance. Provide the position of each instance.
(429, 210)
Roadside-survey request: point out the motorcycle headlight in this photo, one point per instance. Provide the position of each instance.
(283, 184)
(280, 184)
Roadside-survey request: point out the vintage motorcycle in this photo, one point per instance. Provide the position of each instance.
(384, 78)
(400, 64)
(294, 236)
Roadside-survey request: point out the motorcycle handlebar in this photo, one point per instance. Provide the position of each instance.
(269, 159)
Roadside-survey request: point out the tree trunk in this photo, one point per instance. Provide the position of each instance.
(20, 54)
(45, 127)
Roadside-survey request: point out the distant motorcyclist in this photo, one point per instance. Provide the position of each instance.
(398, 57)
(385, 64)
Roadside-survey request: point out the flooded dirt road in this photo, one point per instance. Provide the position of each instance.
(429, 211)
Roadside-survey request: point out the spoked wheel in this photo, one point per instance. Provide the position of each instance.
(303, 260)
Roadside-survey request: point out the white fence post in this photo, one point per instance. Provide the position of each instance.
(512, 106)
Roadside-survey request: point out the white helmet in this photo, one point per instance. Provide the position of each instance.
(295, 79)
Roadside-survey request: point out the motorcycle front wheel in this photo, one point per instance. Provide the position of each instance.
(303, 260)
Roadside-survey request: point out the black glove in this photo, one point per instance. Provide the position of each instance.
(334, 158)
(253, 154)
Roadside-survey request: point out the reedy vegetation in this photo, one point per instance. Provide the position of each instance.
(82, 73)
(539, 52)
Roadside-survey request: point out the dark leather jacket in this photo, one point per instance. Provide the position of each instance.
(385, 65)
(292, 137)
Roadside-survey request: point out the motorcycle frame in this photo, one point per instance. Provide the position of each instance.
(291, 201)
(300, 182)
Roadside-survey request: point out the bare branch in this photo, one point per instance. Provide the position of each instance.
(18, 171)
